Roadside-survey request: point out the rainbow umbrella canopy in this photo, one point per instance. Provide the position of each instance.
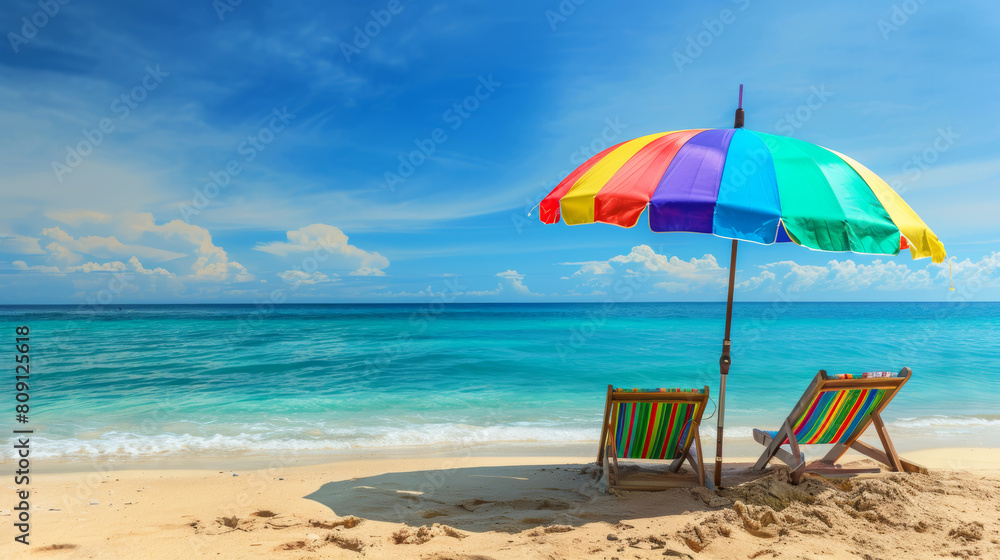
(742, 185)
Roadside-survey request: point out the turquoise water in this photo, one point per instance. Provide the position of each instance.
(228, 380)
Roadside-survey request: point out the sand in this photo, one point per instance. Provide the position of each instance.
(482, 507)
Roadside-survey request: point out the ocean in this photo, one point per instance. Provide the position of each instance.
(155, 381)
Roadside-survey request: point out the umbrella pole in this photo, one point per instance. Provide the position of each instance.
(724, 362)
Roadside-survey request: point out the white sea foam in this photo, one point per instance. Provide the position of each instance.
(965, 424)
(126, 445)
(213, 439)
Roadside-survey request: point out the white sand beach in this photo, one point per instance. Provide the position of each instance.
(412, 505)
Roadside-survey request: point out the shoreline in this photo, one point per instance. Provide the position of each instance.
(735, 449)
(950, 457)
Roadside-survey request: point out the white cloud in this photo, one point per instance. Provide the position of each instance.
(21, 265)
(847, 275)
(591, 267)
(675, 274)
(65, 245)
(598, 282)
(703, 270)
(984, 271)
(20, 245)
(133, 265)
(755, 282)
(483, 292)
(516, 280)
(799, 277)
(880, 275)
(212, 264)
(115, 266)
(368, 271)
(61, 253)
(302, 277)
(324, 241)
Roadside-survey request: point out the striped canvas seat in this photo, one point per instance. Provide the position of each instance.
(656, 424)
(837, 410)
(651, 430)
(835, 416)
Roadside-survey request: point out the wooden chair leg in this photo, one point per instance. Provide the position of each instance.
(607, 470)
(881, 457)
(796, 460)
(685, 454)
(769, 448)
(605, 426)
(772, 446)
(793, 442)
(834, 454)
(883, 435)
(700, 468)
(614, 461)
(676, 464)
(607, 433)
(691, 457)
(910, 466)
(800, 457)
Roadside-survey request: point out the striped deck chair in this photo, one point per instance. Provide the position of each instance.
(837, 410)
(659, 424)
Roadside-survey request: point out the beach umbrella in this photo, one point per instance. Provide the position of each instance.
(741, 185)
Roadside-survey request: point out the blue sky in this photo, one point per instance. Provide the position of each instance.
(204, 152)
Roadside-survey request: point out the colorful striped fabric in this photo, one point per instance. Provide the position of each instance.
(740, 184)
(658, 390)
(651, 430)
(833, 416)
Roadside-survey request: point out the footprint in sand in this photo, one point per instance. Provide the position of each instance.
(294, 545)
(522, 504)
(348, 522)
(458, 557)
(539, 505)
(315, 542)
(431, 513)
(473, 505)
(425, 533)
(346, 543)
(263, 513)
(968, 532)
(56, 547)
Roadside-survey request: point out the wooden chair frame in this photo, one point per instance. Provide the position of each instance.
(796, 460)
(607, 454)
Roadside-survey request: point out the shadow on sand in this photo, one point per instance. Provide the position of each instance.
(505, 498)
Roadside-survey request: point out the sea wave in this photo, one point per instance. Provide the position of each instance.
(126, 445)
(951, 423)
(213, 439)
